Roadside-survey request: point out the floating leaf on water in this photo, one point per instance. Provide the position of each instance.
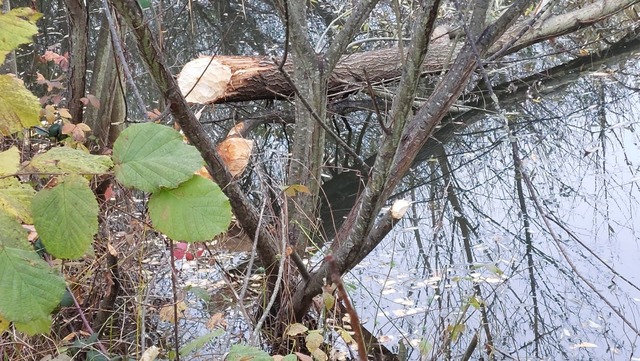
(584, 345)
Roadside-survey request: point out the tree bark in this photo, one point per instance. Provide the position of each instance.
(108, 89)
(78, 38)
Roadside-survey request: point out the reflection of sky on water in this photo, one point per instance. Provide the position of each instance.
(597, 198)
(400, 291)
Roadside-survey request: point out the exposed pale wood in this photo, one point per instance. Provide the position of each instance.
(255, 77)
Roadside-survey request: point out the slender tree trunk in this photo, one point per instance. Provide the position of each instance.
(78, 35)
(106, 120)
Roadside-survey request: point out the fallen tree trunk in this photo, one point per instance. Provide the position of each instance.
(223, 79)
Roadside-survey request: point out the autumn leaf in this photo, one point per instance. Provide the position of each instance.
(166, 312)
(77, 131)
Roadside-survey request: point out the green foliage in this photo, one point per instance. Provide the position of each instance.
(195, 211)
(19, 108)
(33, 327)
(197, 343)
(11, 232)
(247, 353)
(144, 4)
(15, 199)
(69, 160)
(21, 24)
(66, 217)
(151, 156)
(29, 288)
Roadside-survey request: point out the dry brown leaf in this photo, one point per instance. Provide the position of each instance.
(166, 312)
(303, 357)
(77, 131)
(203, 172)
(217, 321)
(235, 153)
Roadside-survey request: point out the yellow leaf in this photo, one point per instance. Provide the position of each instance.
(9, 161)
(19, 108)
(64, 113)
(296, 329)
(20, 23)
(294, 189)
(313, 340)
(4, 324)
(319, 355)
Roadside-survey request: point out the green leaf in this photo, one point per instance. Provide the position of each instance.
(29, 288)
(247, 353)
(151, 156)
(290, 357)
(19, 108)
(21, 24)
(69, 160)
(195, 211)
(15, 199)
(9, 161)
(95, 355)
(200, 292)
(34, 327)
(66, 217)
(493, 268)
(199, 342)
(12, 234)
(144, 4)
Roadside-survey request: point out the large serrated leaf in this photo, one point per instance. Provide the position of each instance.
(150, 156)
(9, 161)
(40, 325)
(29, 288)
(66, 217)
(195, 211)
(12, 234)
(15, 199)
(69, 160)
(21, 24)
(19, 108)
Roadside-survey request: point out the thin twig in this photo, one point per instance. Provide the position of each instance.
(276, 288)
(386, 130)
(174, 292)
(354, 320)
(359, 161)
